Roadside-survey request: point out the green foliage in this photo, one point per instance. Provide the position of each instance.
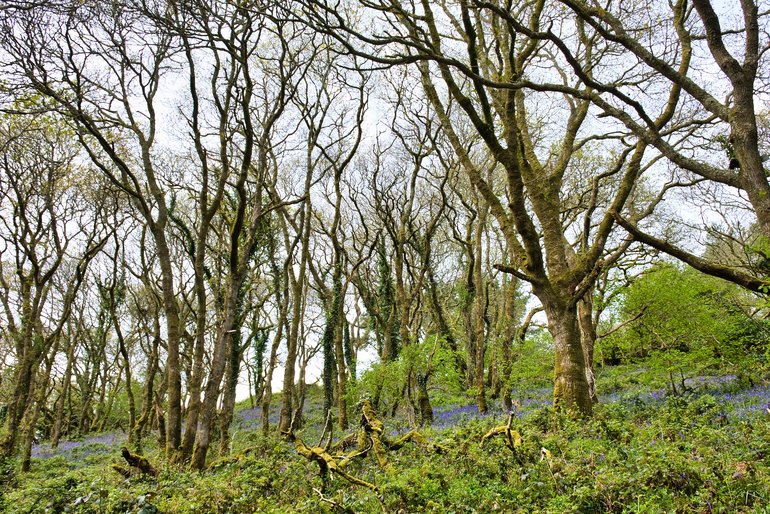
(687, 312)
(701, 451)
(388, 378)
(533, 361)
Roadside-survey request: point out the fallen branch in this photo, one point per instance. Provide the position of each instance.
(124, 472)
(335, 504)
(412, 435)
(373, 428)
(372, 436)
(368, 437)
(326, 462)
(512, 438)
(138, 462)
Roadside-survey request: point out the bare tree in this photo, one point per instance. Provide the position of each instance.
(84, 62)
(715, 134)
(476, 63)
(51, 230)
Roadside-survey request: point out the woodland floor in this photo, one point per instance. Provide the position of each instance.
(699, 445)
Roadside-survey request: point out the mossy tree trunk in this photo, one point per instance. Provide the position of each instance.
(571, 390)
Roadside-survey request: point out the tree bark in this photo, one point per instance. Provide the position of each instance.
(571, 390)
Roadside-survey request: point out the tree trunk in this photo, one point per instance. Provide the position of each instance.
(17, 405)
(33, 410)
(65, 388)
(129, 381)
(588, 339)
(218, 363)
(228, 400)
(287, 406)
(508, 337)
(267, 394)
(479, 314)
(753, 178)
(194, 386)
(149, 387)
(423, 400)
(297, 287)
(173, 417)
(571, 391)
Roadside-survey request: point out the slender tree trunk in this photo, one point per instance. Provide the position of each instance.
(111, 395)
(218, 363)
(196, 380)
(173, 416)
(32, 413)
(148, 396)
(105, 400)
(17, 405)
(479, 314)
(60, 401)
(508, 337)
(129, 382)
(297, 287)
(235, 353)
(267, 394)
(289, 371)
(29, 421)
(28, 430)
(342, 374)
(280, 283)
(327, 347)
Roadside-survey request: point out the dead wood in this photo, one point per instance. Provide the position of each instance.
(337, 506)
(124, 472)
(511, 438)
(373, 428)
(328, 463)
(369, 437)
(139, 462)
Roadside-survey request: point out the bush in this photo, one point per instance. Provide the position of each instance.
(683, 310)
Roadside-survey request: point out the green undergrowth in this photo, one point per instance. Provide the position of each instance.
(704, 449)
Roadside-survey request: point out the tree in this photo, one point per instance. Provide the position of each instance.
(335, 118)
(713, 139)
(476, 62)
(253, 88)
(113, 105)
(718, 324)
(52, 228)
